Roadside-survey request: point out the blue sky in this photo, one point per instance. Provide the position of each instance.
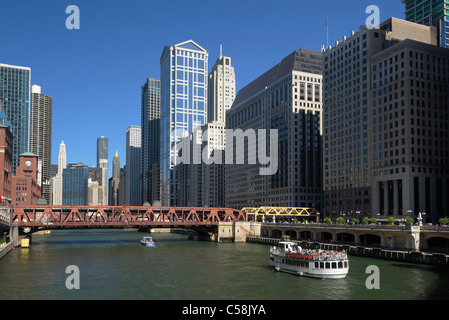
(94, 74)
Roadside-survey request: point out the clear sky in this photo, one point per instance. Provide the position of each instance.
(94, 74)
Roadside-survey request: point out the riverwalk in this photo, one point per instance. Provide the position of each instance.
(429, 258)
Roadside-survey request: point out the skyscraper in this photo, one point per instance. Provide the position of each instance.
(75, 185)
(362, 129)
(133, 153)
(40, 136)
(57, 183)
(114, 181)
(430, 13)
(221, 95)
(102, 162)
(184, 73)
(150, 124)
(15, 99)
(286, 98)
(221, 89)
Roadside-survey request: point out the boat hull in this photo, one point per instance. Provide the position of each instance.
(310, 268)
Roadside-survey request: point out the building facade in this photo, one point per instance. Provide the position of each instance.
(287, 98)
(221, 89)
(430, 13)
(6, 141)
(40, 135)
(15, 99)
(114, 181)
(26, 190)
(351, 118)
(75, 185)
(102, 162)
(184, 78)
(150, 124)
(410, 134)
(57, 180)
(133, 154)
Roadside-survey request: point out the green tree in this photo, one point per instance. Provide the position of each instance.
(409, 220)
(328, 220)
(355, 221)
(389, 220)
(340, 220)
(443, 221)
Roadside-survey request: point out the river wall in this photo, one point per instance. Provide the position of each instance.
(435, 259)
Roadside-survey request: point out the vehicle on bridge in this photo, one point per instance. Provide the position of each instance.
(324, 264)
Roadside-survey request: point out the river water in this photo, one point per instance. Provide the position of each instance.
(113, 265)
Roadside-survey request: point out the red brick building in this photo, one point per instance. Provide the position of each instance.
(26, 190)
(6, 138)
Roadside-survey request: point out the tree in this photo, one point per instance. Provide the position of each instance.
(340, 220)
(355, 221)
(328, 220)
(389, 220)
(443, 221)
(409, 220)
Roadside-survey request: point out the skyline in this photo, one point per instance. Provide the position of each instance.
(80, 69)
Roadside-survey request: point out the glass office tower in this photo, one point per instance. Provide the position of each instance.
(15, 96)
(184, 74)
(74, 190)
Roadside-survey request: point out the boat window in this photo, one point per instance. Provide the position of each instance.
(316, 265)
(321, 265)
(328, 265)
(340, 264)
(346, 264)
(334, 265)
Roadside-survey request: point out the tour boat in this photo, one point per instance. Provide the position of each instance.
(324, 264)
(147, 241)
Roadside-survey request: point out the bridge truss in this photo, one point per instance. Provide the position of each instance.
(285, 212)
(121, 216)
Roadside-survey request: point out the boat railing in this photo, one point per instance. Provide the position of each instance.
(321, 256)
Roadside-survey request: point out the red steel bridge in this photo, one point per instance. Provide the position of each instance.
(54, 216)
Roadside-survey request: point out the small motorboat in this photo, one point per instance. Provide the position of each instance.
(147, 241)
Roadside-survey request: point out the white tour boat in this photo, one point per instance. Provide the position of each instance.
(316, 263)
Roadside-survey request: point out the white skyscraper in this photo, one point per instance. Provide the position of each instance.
(57, 180)
(221, 92)
(133, 152)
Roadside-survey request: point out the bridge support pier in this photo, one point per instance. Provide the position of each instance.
(237, 231)
(14, 235)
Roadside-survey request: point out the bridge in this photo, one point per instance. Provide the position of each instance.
(217, 224)
(51, 216)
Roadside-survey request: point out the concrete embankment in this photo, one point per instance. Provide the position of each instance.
(5, 248)
(436, 259)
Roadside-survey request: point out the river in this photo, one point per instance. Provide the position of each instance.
(113, 265)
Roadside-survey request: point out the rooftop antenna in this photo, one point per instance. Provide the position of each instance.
(221, 52)
(327, 31)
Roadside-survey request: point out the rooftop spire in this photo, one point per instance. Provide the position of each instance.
(221, 52)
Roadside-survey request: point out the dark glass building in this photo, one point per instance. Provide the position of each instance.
(75, 187)
(15, 96)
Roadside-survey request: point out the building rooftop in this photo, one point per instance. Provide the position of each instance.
(299, 60)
